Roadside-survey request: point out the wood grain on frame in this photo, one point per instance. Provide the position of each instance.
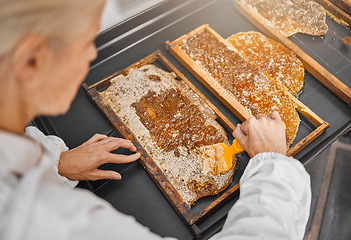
(342, 11)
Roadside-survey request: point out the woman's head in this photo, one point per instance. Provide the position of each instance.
(45, 51)
(59, 21)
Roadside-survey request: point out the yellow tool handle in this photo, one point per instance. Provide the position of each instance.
(236, 147)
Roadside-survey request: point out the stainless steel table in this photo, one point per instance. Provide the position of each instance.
(145, 33)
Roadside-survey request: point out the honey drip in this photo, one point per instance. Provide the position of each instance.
(291, 16)
(173, 121)
(271, 58)
(243, 80)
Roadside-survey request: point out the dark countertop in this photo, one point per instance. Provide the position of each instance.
(137, 37)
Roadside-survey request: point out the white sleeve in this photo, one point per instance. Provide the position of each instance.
(56, 146)
(274, 202)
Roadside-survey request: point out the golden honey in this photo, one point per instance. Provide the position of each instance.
(290, 16)
(242, 79)
(174, 121)
(271, 58)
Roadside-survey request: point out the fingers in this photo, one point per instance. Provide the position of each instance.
(120, 158)
(246, 126)
(111, 144)
(275, 116)
(260, 115)
(240, 135)
(238, 132)
(103, 174)
(97, 137)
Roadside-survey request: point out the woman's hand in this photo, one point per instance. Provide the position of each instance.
(81, 163)
(262, 134)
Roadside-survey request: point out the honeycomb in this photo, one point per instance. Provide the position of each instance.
(171, 123)
(243, 80)
(290, 16)
(271, 58)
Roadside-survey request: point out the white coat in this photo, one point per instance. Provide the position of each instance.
(36, 203)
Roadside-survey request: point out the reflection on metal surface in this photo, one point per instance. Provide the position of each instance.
(153, 33)
(119, 10)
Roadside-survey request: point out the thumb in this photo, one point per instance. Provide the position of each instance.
(107, 174)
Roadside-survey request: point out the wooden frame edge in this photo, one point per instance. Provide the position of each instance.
(232, 103)
(335, 10)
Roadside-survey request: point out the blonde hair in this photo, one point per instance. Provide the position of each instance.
(58, 20)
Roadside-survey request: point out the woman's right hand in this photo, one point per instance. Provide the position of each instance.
(262, 134)
(82, 162)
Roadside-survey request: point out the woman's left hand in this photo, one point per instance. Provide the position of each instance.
(82, 162)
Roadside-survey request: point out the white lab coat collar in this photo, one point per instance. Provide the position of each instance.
(18, 154)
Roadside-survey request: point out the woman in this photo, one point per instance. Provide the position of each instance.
(45, 52)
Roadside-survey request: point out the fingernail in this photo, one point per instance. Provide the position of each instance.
(118, 176)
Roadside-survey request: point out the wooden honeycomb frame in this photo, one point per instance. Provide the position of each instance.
(191, 218)
(240, 111)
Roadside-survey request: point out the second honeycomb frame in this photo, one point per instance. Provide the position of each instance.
(232, 104)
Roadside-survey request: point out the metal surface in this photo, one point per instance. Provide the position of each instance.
(332, 208)
(136, 194)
